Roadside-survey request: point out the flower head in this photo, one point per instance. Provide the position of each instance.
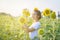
(46, 12)
(22, 20)
(35, 9)
(26, 12)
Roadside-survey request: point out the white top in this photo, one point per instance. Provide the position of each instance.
(36, 26)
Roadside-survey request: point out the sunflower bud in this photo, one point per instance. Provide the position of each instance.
(53, 15)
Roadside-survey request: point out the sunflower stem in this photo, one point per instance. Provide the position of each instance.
(41, 38)
(53, 30)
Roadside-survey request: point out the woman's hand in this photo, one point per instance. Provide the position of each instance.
(27, 29)
(25, 26)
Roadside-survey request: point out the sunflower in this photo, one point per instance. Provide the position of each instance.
(53, 15)
(40, 31)
(46, 12)
(22, 20)
(26, 12)
(35, 9)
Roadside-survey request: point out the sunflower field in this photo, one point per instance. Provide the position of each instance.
(11, 27)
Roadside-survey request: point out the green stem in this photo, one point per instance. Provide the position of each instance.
(41, 38)
(53, 37)
(45, 22)
(50, 38)
(53, 31)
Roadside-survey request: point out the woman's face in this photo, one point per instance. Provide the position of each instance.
(35, 16)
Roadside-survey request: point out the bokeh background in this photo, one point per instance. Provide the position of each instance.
(14, 7)
(13, 17)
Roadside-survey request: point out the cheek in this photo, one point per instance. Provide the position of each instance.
(32, 16)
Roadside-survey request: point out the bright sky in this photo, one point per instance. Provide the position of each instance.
(14, 7)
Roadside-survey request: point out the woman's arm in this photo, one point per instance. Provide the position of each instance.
(28, 29)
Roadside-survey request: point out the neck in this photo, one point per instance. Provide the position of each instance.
(36, 20)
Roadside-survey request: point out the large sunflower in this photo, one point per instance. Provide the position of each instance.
(26, 12)
(46, 12)
(22, 20)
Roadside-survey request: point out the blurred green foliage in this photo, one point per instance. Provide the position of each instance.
(10, 29)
